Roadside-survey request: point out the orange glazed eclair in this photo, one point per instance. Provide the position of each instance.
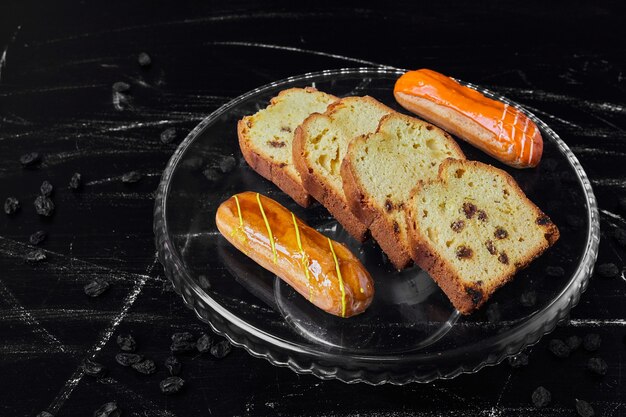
(496, 128)
(322, 270)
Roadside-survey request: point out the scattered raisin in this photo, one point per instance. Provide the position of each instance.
(131, 177)
(388, 205)
(126, 342)
(128, 359)
(597, 366)
(620, 236)
(396, 227)
(584, 409)
(227, 164)
(173, 365)
(37, 237)
(168, 135)
(11, 205)
(528, 298)
(457, 226)
(146, 367)
(463, 252)
(608, 270)
(211, 174)
(183, 342)
(30, 159)
(543, 220)
(591, 342)
(500, 233)
(36, 255)
(108, 410)
(541, 397)
(44, 206)
(144, 59)
(75, 181)
(93, 368)
(276, 143)
(204, 343)
(285, 129)
(482, 216)
(573, 342)
(555, 271)
(558, 348)
(46, 188)
(121, 87)
(171, 385)
(503, 258)
(491, 247)
(469, 209)
(221, 349)
(96, 287)
(518, 361)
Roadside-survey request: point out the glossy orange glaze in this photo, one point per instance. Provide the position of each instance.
(300, 255)
(515, 134)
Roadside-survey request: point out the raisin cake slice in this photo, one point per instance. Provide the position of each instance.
(266, 137)
(473, 229)
(319, 146)
(380, 170)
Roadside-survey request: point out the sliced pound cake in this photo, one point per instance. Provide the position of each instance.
(320, 144)
(266, 137)
(380, 170)
(473, 229)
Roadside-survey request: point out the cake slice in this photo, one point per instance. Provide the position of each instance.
(380, 170)
(473, 229)
(265, 138)
(321, 142)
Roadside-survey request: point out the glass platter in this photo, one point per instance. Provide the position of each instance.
(410, 333)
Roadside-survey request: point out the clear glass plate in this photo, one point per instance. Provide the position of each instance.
(410, 332)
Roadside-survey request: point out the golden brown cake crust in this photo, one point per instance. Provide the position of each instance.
(468, 297)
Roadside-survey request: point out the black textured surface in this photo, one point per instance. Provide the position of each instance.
(58, 63)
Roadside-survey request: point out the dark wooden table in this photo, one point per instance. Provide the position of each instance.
(566, 61)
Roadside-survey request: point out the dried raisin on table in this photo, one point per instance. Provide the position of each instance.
(221, 349)
(227, 164)
(93, 368)
(37, 237)
(146, 367)
(121, 87)
(30, 159)
(573, 342)
(558, 348)
(183, 342)
(555, 271)
(608, 270)
(171, 385)
(108, 410)
(591, 342)
(173, 365)
(126, 342)
(11, 205)
(46, 188)
(541, 397)
(36, 255)
(528, 298)
(131, 177)
(168, 135)
(597, 366)
(518, 361)
(204, 343)
(128, 359)
(75, 181)
(44, 206)
(584, 409)
(96, 287)
(144, 59)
